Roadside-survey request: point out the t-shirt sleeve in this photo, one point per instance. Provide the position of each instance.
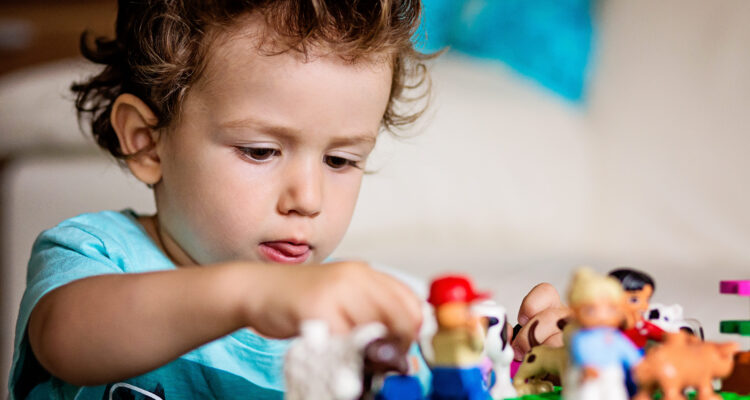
(59, 256)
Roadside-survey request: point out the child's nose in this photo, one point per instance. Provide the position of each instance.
(302, 191)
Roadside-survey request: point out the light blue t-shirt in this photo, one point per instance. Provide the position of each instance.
(241, 365)
(603, 347)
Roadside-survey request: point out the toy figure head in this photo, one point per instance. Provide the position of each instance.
(639, 287)
(596, 300)
(452, 296)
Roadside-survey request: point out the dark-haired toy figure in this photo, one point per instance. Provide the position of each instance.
(459, 341)
(639, 287)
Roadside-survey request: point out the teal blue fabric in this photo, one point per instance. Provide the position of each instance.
(548, 41)
(239, 366)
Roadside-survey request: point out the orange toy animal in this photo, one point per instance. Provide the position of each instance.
(682, 361)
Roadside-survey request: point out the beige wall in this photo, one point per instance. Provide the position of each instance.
(670, 119)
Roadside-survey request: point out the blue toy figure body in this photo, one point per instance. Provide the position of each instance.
(400, 387)
(602, 348)
(458, 384)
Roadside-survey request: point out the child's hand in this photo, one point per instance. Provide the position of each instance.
(345, 294)
(542, 304)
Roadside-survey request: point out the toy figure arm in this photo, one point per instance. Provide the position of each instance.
(654, 332)
(629, 353)
(476, 338)
(577, 350)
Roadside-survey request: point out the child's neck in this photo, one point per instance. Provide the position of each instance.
(164, 241)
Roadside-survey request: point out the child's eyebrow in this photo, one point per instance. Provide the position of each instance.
(354, 139)
(292, 133)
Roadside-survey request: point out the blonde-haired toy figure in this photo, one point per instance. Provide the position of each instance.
(598, 351)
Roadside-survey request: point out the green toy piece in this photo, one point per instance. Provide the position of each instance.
(556, 395)
(732, 396)
(738, 327)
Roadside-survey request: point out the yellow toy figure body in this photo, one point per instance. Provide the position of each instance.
(459, 340)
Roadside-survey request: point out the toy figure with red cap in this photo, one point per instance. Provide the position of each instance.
(458, 342)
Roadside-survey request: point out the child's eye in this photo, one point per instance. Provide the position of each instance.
(336, 162)
(259, 153)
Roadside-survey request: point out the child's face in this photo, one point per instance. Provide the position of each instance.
(265, 162)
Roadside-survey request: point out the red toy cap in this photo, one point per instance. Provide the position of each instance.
(452, 288)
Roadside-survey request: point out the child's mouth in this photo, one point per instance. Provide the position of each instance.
(285, 252)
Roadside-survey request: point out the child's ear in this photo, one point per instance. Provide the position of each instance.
(133, 121)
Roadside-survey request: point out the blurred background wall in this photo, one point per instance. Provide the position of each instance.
(561, 133)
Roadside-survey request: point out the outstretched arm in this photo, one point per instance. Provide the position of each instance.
(111, 327)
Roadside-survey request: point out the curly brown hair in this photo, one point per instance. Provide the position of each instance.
(160, 50)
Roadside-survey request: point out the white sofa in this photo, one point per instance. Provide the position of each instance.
(506, 182)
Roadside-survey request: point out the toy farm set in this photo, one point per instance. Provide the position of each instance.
(616, 345)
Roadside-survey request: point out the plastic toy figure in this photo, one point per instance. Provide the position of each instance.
(400, 387)
(683, 361)
(458, 342)
(321, 366)
(543, 361)
(381, 356)
(639, 287)
(670, 319)
(497, 349)
(598, 351)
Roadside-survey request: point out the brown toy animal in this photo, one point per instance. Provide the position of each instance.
(544, 366)
(682, 361)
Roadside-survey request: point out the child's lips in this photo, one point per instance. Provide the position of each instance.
(285, 252)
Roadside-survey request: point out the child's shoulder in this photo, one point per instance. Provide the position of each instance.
(112, 237)
(97, 223)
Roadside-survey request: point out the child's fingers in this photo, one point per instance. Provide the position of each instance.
(408, 306)
(396, 306)
(340, 323)
(542, 329)
(354, 294)
(555, 340)
(541, 297)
